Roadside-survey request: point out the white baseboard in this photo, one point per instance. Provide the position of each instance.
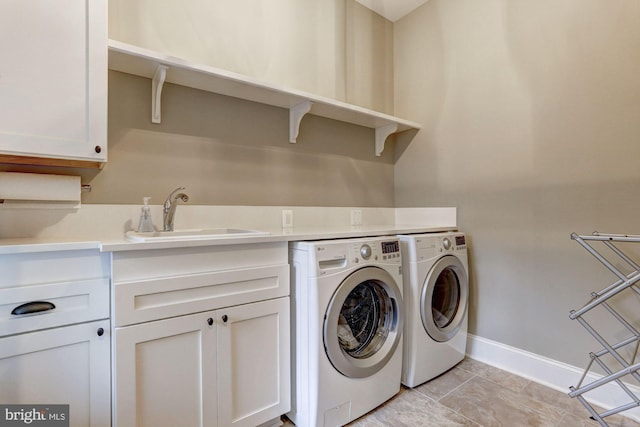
(551, 373)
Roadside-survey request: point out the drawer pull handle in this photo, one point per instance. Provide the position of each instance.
(33, 307)
(100, 332)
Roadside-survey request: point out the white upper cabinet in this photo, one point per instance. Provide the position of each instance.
(53, 80)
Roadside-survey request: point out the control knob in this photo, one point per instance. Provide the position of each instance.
(446, 243)
(365, 251)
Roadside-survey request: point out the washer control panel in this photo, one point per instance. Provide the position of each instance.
(340, 254)
(372, 251)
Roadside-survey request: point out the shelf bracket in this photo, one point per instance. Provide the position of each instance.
(296, 113)
(156, 92)
(382, 132)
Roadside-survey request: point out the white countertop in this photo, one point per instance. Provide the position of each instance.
(103, 227)
(27, 245)
(31, 244)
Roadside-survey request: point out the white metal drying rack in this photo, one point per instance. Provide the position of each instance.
(625, 368)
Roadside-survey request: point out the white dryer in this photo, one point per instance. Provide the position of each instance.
(436, 291)
(347, 305)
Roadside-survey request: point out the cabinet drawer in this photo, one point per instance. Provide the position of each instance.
(158, 298)
(54, 266)
(75, 302)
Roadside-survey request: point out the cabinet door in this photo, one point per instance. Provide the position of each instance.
(253, 363)
(67, 365)
(165, 373)
(53, 78)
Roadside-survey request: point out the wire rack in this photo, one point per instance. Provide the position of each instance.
(618, 360)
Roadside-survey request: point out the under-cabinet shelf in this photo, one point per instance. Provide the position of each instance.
(162, 68)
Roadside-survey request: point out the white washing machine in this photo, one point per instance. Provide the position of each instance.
(436, 291)
(346, 298)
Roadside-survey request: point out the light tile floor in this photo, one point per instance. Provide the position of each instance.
(474, 394)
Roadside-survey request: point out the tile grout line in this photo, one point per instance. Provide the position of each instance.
(473, 375)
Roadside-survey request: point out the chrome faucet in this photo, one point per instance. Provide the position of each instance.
(170, 206)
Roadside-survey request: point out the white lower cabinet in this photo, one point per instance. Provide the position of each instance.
(253, 363)
(166, 373)
(60, 366)
(221, 368)
(55, 333)
(208, 346)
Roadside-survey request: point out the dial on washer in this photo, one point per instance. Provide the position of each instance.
(365, 251)
(446, 243)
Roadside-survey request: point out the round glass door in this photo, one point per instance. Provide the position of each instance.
(443, 301)
(363, 323)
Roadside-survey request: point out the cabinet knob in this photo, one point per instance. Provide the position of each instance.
(225, 318)
(210, 321)
(98, 149)
(100, 332)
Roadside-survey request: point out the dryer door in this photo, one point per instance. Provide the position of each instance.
(363, 322)
(443, 302)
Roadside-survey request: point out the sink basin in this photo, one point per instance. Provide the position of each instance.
(195, 234)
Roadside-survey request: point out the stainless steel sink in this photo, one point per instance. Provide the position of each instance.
(195, 234)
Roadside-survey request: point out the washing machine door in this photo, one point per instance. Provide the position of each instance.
(363, 322)
(443, 301)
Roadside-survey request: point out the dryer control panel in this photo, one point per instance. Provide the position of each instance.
(453, 243)
(429, 246)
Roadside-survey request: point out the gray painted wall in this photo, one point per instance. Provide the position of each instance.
(531, 113)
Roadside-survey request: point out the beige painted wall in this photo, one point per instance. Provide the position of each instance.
(298, 43)
(334, 48)
(531, 113)
(232, 152)
(369, 59)
(227, 151)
